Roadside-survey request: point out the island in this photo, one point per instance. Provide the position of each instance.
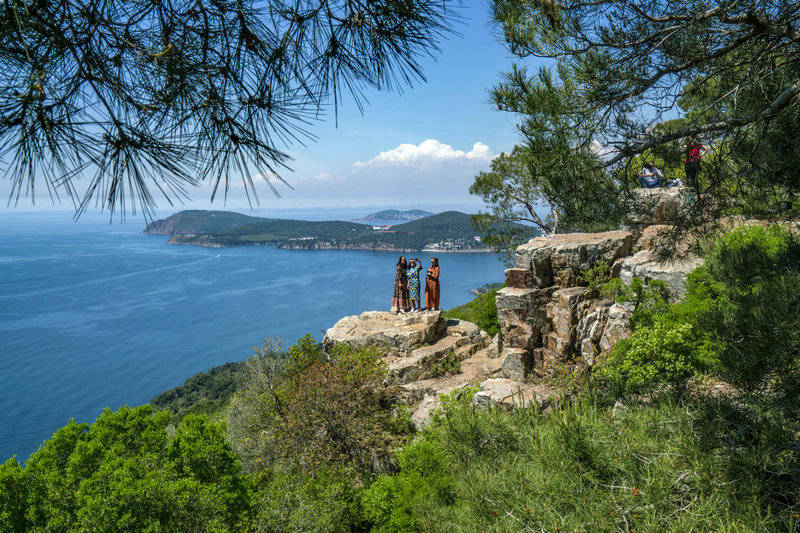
(396, 215)
(450, 231)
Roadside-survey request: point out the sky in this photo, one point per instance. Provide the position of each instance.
(419, 148)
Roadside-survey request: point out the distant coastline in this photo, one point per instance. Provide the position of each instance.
(448, 232)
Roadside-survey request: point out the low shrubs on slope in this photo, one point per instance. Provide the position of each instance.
(580, 467)
(482, 311)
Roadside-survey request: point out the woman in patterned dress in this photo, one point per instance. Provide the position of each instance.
(400, 301)
(413, 283)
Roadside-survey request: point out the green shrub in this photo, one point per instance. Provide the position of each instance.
(756, 284)
(390, 502)
(481, 311)
(449, 364)
(309, 408)
(595, 278)
(575, 468)
(647, 298)
(327, 501)
(126, 473)
(668, 351)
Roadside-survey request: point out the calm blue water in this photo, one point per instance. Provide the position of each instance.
(95, 315)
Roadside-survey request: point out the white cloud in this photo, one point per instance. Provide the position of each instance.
(429, 151)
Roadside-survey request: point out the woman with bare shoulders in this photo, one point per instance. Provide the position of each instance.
(400, 299)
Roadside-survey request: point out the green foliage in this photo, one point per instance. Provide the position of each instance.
(481, 311)
(604, 88)
(739, 319)
(165, 96)
(667, 346)
(596, 278)
(755, 282)
(667, 351)
(125, 472)
(391, 501)
(205, 392)
(327, 501)
(309, 408)
(550, 184)
(647, 298)
(656, 468)
(448, 364)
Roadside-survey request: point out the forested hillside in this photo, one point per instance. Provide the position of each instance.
(451, 230)
(196, 222)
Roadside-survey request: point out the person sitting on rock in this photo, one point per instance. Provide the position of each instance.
(650, 176)
(413, 284)
(400, 300)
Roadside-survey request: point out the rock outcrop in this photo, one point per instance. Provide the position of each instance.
(426, 355)
(659, 206)
(549, 319)
(396, 334)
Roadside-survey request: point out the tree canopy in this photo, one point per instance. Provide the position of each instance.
(625, 80)
(148, 98)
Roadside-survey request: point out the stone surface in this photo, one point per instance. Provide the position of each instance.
(589, 332)
(495, 346)
(462, 328)
(508, 393)
(522, 315)
(659, 206)
(421, 416)
(397, 334)
(645, 265)
(516, 363)
(561, 311)
(616, 328)
(425, 393)
(653, 236)
(560, 259)
(520, 278)
(418, 364)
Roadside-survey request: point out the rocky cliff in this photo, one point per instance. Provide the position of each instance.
(549, 319)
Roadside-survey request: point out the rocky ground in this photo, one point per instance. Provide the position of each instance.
(428, 356)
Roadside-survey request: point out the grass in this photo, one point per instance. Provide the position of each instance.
(578, 468)
(481, 310)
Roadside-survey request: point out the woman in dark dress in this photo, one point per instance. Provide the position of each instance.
(400, 298)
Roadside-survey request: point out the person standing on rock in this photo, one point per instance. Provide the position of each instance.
(432, 285)
(413, 284)
(694, 152)
(400, 300)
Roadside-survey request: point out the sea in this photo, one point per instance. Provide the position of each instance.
(98, 315)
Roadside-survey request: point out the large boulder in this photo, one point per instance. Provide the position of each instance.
(522, 315)
(508, 393)
(517, 363)
(663, 205)
(647, 266)
(396, 334)
(561, 259)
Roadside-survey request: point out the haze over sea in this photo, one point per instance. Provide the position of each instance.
(94, 315)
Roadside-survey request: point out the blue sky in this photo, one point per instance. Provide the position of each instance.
(420, 148)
